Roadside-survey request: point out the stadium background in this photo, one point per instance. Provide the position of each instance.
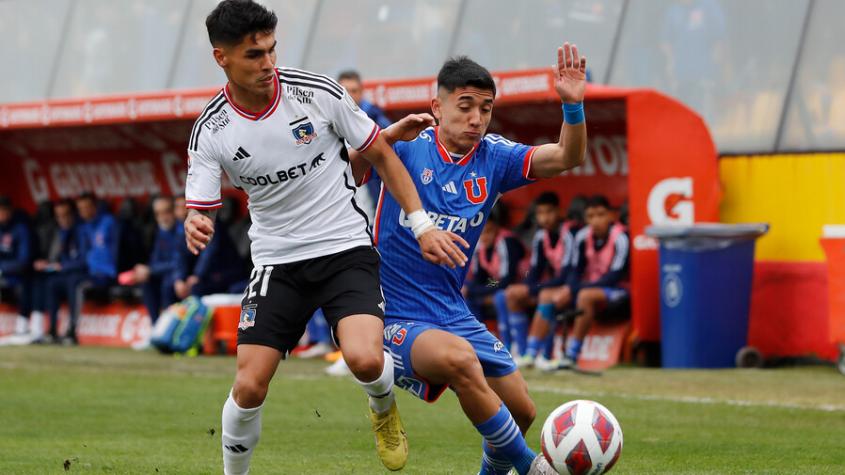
(772, 97)
(766, 76)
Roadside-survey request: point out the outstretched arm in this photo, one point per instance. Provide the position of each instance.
(570, 81)
(405, 129)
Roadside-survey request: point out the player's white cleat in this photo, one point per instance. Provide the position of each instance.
(546, 365)
(524, 361)
(566, 363)
(541, 466)
(338, 368)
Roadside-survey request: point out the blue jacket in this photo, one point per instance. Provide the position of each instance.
(167, 245)
(375, 113)
(15, 249)
(101, 236)
(73, 249)
(219, 260)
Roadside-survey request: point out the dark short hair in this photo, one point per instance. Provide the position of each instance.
(349, 74)
(232, 20)
(63, 202)
(461, 71)
(87, 196)
(547, 198)
(5, 201)
(499, 214)
(166, 198)
(598, 201)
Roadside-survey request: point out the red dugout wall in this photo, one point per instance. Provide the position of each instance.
(644, 148)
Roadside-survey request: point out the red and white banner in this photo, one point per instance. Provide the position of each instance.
(101, 325)
(602, 347)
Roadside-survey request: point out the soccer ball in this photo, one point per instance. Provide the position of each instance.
(581, 438)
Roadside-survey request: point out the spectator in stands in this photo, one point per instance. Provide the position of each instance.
(100, 234)
(351, 80)
(65, 268)
(494, 266)
(597, 277)
(158, 276)
(15, 259)
(179, 208)
(217, 269)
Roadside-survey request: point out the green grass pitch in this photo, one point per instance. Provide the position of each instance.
(99, 410)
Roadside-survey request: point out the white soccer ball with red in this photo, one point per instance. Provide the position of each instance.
(581, 438)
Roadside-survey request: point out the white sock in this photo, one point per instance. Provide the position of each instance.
(21, 325)
(381, 390)
(36, 324)
(241, 428)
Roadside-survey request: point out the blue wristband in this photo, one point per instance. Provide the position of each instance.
(573, 114)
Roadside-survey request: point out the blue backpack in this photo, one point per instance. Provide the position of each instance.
(181, 326)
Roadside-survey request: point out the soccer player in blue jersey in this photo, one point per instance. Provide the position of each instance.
(460, 172)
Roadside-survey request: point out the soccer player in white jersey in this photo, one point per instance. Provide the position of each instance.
(460, 172)
(279, 135)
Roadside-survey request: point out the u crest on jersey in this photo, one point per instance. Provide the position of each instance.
(470, 187)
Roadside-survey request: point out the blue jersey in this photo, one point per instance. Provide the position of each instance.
(458, 193)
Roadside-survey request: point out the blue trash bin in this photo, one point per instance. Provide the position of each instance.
(705, 291)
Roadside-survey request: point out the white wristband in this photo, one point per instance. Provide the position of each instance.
(420, 222)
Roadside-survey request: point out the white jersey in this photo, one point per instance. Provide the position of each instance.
(291, 161)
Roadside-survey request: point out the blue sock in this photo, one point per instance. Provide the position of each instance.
(492, 462)
(318, 328)
(503, 318)
(519, 331)
(573, 348)
(503, 434)
(534, 345)
(549, 343)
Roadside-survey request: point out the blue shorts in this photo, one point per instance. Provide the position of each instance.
(613, 294)
(399, 336)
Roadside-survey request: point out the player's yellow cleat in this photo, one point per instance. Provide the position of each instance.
(391, 441)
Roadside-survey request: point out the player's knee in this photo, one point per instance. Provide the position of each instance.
(463, 366)
(546, 296)
(365, 365)
(249, 392)
(586, 299)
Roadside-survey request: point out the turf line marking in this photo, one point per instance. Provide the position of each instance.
(691, 399)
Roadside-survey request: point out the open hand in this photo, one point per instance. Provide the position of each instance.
(570, 74)
(409, 127)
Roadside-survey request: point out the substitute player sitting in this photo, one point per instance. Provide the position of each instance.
(279, 135)
(598, 276)
(548, 256)
(435, 340)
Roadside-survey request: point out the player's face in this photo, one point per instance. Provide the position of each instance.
(5, 214)
(86, 208)
(179, 209)
(547, 216)
(599, 219)
(488, 234)
(463, 116)
(354, 88)
(250, 64)
(163, 211)
(64, 216)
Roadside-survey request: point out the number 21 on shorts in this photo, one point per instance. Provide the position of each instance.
(259, 274)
